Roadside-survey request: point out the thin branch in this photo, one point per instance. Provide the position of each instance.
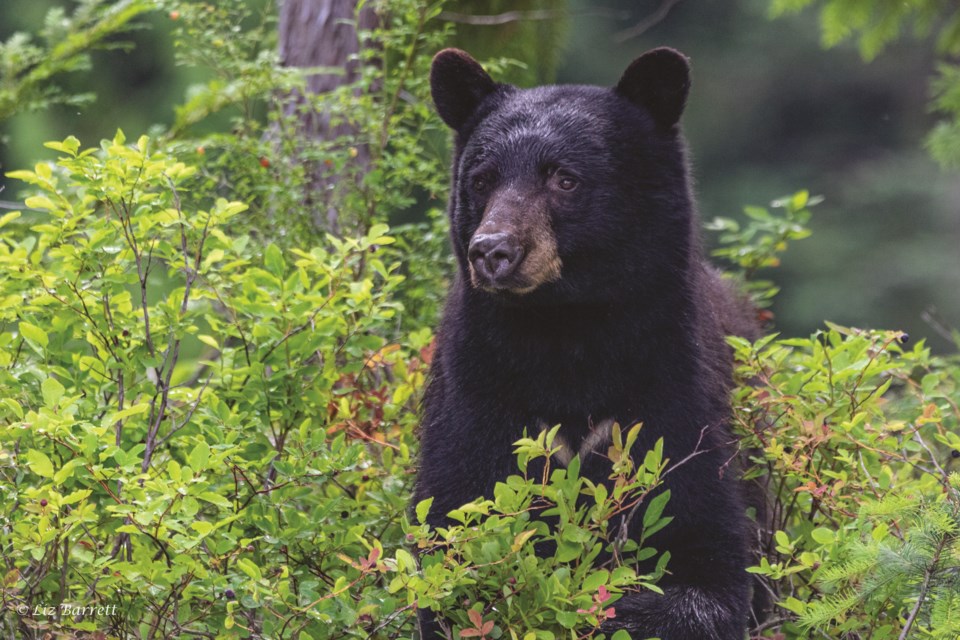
(922, 596)
(935, 322)
(500, 18)
(623, 533)
(519, 16)
(647, 23)
(186, 418)
(172, 353)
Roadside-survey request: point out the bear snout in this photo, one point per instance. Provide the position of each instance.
(494, 257)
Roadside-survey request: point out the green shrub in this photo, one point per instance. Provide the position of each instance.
(29, 70)
(858, 437)
(195, 428)
(208, 407)
(484, 574)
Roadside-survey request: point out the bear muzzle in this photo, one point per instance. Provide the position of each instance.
(514, 249)
(500, 262)
(494, 258)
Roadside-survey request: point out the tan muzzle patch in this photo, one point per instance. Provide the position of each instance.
(529, 221)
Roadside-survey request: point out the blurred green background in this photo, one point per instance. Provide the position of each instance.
(770, 112)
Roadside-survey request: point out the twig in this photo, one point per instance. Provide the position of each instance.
(387, 621)
(931, 317)
(625, 523)
(927, 576)
(519, 16)
(769, 624)
(647, 23)
(186, 418)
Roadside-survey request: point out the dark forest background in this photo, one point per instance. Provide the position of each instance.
(771, 111)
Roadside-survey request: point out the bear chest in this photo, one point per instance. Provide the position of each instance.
(593, 439)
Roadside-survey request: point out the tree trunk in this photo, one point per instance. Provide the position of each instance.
(322, 33)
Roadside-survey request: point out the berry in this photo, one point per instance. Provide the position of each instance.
(229, 594)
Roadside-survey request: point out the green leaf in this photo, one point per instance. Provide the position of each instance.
(273, 260)
(40, 203)
(214, 498)
(249, 568)
(34, 334)
(822, 535)
(13, 406)
(567, 551)
(567, 619)
(405, 561)
(39, 463)
(66, 471)
(119, 416)
(199, 457)
(800, 199)
(9, 217)
(378, 235)
(70, 145)
(52, 392)
(210, 341)
(201, 526)
(423, 508)
(76, 496)
(793, 604)
(655, 508)
(593, 582)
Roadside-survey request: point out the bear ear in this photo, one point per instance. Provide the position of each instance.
(658, 80)
(458, 84)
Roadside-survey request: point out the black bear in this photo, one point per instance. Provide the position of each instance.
(582, 298)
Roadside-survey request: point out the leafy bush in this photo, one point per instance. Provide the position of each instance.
(28, 70)
(858, 435)
(380, 154)
(853, 437)
(503, 569)
(195, 429)
(207, 425)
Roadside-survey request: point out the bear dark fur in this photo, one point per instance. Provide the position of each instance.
(582, 298)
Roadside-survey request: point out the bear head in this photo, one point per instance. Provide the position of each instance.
(569, 192)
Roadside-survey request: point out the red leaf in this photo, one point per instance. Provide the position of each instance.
(602, 594)
(475, 617)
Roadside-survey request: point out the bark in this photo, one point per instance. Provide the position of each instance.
(322, 33)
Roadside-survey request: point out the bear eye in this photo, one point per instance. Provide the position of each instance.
(566, 183)
(481, 183)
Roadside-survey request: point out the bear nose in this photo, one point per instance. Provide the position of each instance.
(494, 256)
